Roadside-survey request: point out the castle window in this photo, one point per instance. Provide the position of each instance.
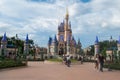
(61, 38)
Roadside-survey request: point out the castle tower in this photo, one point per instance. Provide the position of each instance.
(118, 44)
(64, 32)
(66, 26)
(53, 46)
(96, 46)
(49, 44)
(79, 47)
(26, 46)
(68, 46)
(79, 44)
(56, 43)
(4, 45)
(60, 30)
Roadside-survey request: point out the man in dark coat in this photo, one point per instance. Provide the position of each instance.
(101, 61)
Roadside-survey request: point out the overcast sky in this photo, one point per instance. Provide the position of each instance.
(40, 19)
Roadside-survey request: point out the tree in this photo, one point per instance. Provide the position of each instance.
(105, 45)
(104, 52)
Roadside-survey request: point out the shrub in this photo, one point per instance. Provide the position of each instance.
(38, 59)
(46, 57)
(115, 66)
(10, 63)
(55, 60)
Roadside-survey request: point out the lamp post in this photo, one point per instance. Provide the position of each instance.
(16, 46)
(2, 52)
(110, 56)
(110, 44)
(34, 52)
(90, 52)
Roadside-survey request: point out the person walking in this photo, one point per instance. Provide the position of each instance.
(64, 59)
(80, 59)
(96, 61)
(68, 60)
(101, 61)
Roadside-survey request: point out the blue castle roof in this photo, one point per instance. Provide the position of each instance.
(74, 43)
(119, 40)
(61, 27)
(27, 39)
(73, 40)
(4, 38)
(50, 41)
(55, 39)
(79, 43)
(96, 41)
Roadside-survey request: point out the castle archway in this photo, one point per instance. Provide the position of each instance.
(61, 51)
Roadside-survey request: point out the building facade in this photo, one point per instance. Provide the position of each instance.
(7, 50)
(10, 50)
(63, 42)
(118, 46)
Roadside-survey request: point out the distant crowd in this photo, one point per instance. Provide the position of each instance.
(99, 61)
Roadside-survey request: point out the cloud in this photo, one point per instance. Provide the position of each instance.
(85, 1)
(40, 18)
(3, 25)
(42, 24)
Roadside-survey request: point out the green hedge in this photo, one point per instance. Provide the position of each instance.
(36, 59)
(10, 63)
(60, 60)
(89, 61)
(55, 60)
(115, 66)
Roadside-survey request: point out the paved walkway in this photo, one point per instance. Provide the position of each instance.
(41, 71)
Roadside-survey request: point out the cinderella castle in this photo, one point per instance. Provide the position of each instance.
(64, 42)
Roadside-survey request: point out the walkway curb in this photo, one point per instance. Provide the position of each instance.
(51, 62)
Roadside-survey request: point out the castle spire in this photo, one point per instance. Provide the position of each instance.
(54, 39)
(27, 40)
(67, 14)
(50, 41)
(4, 37)
(79, 43)
(96, 41)
(96, 46)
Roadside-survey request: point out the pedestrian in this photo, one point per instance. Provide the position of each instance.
(96, 61)
(101, 61)
(68, 62)
(109, 62)
(64, 59)
(80, 59)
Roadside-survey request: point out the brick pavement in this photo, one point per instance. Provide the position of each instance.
(41, 71)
